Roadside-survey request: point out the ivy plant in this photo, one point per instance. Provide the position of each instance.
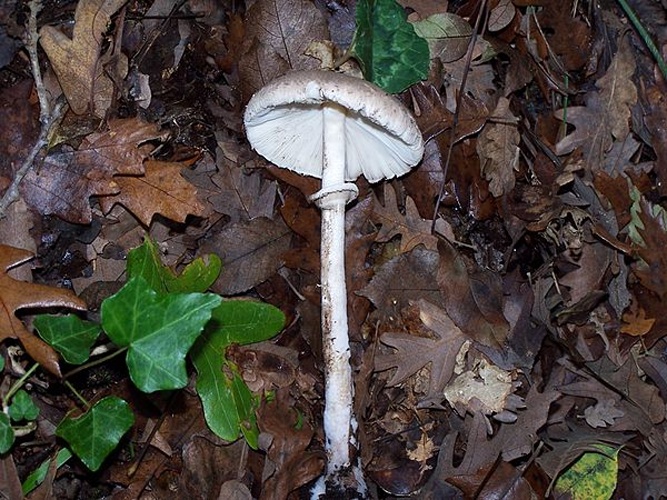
(157, 320)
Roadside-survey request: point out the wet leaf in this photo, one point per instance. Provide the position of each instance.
(158, 331)
(96, 433)
(391, 54)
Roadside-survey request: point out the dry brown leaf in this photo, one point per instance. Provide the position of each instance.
(413, 229)
(65, 180)
(243, 194)
(251, 251)
(162, 190)
(76, 61)
(606, 115)
(16, 295)
(498, 148)
(278, 33)
(413, 353)
(501, 15)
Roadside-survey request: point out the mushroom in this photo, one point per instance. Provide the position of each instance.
(334, 127)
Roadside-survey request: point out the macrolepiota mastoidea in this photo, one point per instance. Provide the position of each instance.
(334, 127)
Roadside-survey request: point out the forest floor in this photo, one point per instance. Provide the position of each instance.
(505, 296)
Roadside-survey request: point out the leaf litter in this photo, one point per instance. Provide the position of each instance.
(524, 346)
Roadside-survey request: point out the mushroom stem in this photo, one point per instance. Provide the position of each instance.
(331, 199)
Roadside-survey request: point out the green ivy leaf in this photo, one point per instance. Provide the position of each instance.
(197, 276)
(6, 433)
(71, 336)
(158, 330)
(593, 475)
(23, 407)
(96, 433)
(229, 406)
(391, 54)
(36, 477)
(246, 321)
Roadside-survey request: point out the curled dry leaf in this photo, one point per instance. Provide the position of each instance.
(76, 60)
(16, 295)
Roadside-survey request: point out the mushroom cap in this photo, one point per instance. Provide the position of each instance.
(284, 123)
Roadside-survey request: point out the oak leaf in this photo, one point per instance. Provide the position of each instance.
(498, 149)
(66, 179)
(413, 353)
(161, 190)
(606, 115)
(16, 295)
(413, 229)
(76, 61)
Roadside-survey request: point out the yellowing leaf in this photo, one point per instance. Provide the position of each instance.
(593, 475)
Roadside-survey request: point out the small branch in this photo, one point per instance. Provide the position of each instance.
(48, 115)
(31, 46)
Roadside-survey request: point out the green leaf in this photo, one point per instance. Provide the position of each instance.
(391, 54)
(229, 406)
(158, 330)
(6, 433)
(593, 475)
(197, 276)
(245, 321)
(71, 336)
(22, 407)
(215, 386)
(2, 364)
(36, 477)
(96, 433)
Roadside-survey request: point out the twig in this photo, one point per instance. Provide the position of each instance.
(48, 116)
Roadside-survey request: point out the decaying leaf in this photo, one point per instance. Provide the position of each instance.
(413, 353)
(606, 115)
(66, 179)
(76, 60)
(278, 33)
(498, 148)
(16, 295)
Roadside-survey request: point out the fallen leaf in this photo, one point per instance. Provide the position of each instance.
(76, 60)
(408, 277)
(498, 149)
(65, 180)
(413, 353)
(17, 295)
(243, 194)
(251, 252)
(162, 190)
(278, 33)
(413, 229)
(606, 115)
(289, 464)
(473, 300)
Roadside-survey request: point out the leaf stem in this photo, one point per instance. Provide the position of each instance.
(77, 394)
(19, 383)
(91, 364)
